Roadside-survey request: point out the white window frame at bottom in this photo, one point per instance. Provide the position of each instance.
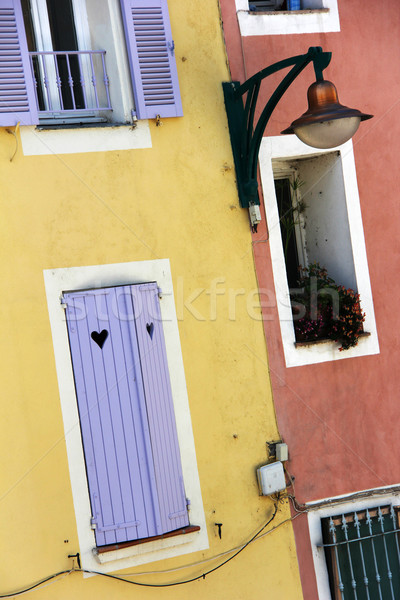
(343, 506)
(288, 148)
(284, 22)
(78, 278)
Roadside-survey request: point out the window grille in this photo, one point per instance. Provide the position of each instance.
(265, 5)
(362, 553)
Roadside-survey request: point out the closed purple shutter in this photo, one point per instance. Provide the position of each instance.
(151, 52)
(17, 93)
(160, 409)
(119, 438)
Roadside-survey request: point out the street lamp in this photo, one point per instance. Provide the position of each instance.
(325, 124)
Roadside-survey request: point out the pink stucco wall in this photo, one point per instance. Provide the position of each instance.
(340, 419)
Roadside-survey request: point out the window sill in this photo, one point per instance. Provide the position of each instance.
(54, 125)
(112, 547)
(76, 139)
(307, 343)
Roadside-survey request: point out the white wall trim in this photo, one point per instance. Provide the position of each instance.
(75, 278)
(290, 147)
(281, 23)
(314, 524)
(36, 142)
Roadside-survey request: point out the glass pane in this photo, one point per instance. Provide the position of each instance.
(283, 190)
(63, 35)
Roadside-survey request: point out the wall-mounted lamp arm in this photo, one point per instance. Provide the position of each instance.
(246, 138)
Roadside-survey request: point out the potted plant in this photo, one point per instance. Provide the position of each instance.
(324, 310)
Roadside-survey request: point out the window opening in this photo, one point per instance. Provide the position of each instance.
(320, 221)
(320, 275)
(70, 79)
(362, 554)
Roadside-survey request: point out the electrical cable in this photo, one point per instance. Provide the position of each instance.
(157, 585)
(190, 580)
(39, 583)
(207, 560)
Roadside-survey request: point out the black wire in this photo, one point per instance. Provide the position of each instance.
(35, 585)
(202, 576)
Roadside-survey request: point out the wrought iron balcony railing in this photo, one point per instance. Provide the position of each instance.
(71, 83)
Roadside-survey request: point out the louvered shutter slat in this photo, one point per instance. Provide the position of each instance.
(150, 48)
(15, 67)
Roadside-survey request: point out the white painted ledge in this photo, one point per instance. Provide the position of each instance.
(37, 142)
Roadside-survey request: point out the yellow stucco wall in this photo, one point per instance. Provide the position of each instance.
(177, 200)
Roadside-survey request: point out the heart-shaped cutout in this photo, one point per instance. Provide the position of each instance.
(150, 329)
(99, 338)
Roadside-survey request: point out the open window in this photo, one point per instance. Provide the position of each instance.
(313, 216)
(65, 52)
(127, 422)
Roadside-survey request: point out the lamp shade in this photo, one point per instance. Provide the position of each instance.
(326, 123)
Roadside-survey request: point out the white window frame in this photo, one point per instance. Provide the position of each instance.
(287, 148)
(282, 23)
(75, 278)
(343, 506)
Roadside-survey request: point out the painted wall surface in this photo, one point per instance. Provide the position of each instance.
(176, 199)
(340, 418)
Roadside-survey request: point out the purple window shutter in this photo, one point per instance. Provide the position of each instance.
(157, 387)
(113, 415)
(151, 52)
(17, 92)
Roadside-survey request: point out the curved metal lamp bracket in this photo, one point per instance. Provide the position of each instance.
(245, 136)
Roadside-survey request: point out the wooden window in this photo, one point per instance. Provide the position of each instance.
(126, 413)
(61, 79)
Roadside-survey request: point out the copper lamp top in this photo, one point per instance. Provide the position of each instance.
(323, 105)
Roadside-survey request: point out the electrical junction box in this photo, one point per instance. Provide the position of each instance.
(281, 452)
(255, 214)
(271, 478)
